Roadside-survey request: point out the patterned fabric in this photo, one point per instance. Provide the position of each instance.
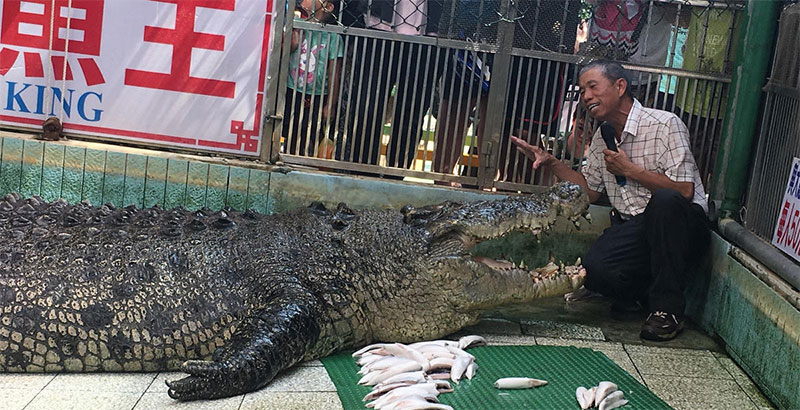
(654, 139)
(614, 30)
(308, 64)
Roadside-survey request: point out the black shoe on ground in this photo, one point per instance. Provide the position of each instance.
(661, 326)
(626, 306)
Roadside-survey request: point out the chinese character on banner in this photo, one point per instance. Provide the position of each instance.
(175, 73)
(33, 24)
(184, 39)
(786, 236)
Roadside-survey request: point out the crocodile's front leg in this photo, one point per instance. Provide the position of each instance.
(267, 341)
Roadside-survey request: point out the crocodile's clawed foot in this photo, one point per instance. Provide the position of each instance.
(203, 382)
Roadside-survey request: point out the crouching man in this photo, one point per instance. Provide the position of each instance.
(659, 229)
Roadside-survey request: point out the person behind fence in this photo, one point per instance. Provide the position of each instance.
(659, 230)
(312, 89)
(380, 66)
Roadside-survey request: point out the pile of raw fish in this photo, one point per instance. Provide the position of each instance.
(411, 377)
(604, 396)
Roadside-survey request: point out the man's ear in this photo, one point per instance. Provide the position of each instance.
(622, 86)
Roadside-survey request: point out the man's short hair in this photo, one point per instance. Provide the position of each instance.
(611, 70)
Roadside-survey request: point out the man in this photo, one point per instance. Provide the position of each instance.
(659, 225)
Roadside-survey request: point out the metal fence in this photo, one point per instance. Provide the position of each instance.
(433, 89)
(779, 139)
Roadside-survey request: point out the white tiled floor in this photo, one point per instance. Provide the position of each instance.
(684, 378)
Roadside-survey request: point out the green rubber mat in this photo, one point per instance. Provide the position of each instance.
(564, 367)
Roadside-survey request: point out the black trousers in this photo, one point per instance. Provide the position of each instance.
(649, 257)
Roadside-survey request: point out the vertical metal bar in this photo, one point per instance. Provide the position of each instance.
(302, 93)
(532, 138)
(458, 149)
(317, 97)
(562, 29)
(381, 93)
(457, 137)
(536, 23)
(430, 81)
(357, 116)
(450, 123)
(275, 94)
(647, 89)
(440, 133)
(504, 174)
(647, 25)
(755, 183)
(701, 53)
(497, 94)
(352, 103)
(339, 142)
(404, 107)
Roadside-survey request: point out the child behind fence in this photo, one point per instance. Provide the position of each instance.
(312, 88)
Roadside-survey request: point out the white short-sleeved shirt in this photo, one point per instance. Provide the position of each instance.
(654, 139)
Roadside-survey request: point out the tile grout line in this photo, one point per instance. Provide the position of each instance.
(635, 366)
(155, 376)
(39, 392)
(739, 384)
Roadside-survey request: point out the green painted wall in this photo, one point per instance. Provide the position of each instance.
(761, 330)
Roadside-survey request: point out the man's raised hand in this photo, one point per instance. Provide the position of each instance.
(533, 152)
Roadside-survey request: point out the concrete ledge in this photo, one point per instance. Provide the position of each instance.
(761, 329)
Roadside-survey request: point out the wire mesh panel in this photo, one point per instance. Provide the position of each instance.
(401, 88)
(778, 143)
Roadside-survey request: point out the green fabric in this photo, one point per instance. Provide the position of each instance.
(310, 61)
(703, 98)
(564, 367)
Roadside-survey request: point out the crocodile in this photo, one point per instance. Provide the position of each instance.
(232, 298)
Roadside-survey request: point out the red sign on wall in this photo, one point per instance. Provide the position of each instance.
(186, 73)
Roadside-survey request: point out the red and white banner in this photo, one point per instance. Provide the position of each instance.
(787, 230)
(187, 73)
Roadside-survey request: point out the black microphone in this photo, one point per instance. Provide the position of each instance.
(607, 131)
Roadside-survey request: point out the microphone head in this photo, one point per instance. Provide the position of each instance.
(607, 132)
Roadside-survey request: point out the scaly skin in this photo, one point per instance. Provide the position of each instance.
(233, 298)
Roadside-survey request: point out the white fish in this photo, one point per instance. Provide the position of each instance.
(368, 358)
(401, 350)
(459, 367)
(458, 352)
(385, 363)
(441, 363)
(416, 403)
(380, 391)
(580, 394)
(603, 390)
(589, 396)
(425, 391)
(518, 383)
(416, 377)
(437, 355)
(471, 341)
(367, 348)
(471, 369)
(374, 377)
(440, 342)
(612, 401)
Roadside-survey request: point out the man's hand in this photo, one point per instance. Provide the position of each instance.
(618, 163)
(537, 155)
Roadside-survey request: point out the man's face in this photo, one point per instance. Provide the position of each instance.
(600, 96)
